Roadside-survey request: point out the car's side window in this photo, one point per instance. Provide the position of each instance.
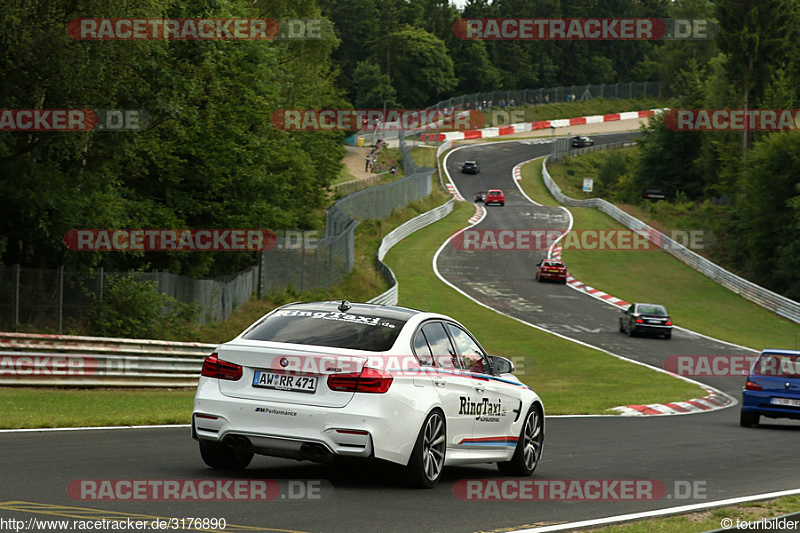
(441, 348)
(422, 350)
(471, 355)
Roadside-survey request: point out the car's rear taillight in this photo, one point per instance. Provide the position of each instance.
(668, 323)
(639, 321)
(370, 380)
(750, 385)
(213, 367)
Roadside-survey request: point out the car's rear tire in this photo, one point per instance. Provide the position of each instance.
(502, 204)
(668, 336)
(218, 455)
(529, 446)
(563, 282)
(621, 327)
(629, 331)
(427, 459)
(747, 419)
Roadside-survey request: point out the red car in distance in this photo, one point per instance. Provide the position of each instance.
(553, 269)
(495, 196)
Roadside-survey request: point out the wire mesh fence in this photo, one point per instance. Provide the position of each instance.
(573, 93)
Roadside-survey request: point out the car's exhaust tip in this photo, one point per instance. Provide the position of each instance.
(316, 452)
(239, 443)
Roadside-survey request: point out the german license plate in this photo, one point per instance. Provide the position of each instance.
(654, 322)
(271, 380)
(786, 401)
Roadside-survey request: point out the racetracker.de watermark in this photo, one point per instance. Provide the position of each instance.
(374, 119)
(189, 240)
(169, 240)
(192, 29)
(493, 240)
(198, 489)
(590, 29)
(577, 490)
(732, 119)
(710, 365)
(74, 120)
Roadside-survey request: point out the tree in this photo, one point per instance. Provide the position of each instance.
(419, 66)
(373, 88)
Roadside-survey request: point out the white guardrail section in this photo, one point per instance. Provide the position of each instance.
(63, 360)
(390, 297)
(755, 293)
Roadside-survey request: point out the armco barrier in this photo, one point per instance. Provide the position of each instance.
(64, 360)
(390, 296)
(755, 293)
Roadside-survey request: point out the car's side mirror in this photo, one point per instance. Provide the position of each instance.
(502, 365)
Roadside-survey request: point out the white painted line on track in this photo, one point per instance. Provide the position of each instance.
(658, 512)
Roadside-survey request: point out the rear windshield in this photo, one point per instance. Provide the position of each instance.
(783, 365)
(331, 329)
(652, 310)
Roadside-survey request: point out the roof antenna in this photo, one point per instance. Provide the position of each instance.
(344, 306)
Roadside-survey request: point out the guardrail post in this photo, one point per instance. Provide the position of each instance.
(60, 298)
(16, 295)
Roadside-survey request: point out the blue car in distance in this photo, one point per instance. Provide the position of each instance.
(772, 388)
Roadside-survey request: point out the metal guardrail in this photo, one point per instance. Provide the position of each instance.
(390, 297)
(63, 360)
(755, 293)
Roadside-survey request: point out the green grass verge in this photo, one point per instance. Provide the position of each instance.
(694, 300)
(559, 370)
(708, 520)
(39, 408)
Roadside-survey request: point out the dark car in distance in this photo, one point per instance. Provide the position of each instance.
(642, 318)
(470, 167)
(480, 196)
(582, 141)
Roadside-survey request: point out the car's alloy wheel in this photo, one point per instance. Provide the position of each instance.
(218, 455)
(427, 459)
(747, 419)
(529, 446)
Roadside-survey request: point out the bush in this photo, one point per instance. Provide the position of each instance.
(132, 307)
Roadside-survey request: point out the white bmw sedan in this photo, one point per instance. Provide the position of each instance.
(317, 381)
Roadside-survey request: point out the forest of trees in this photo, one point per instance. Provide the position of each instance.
(211, 159)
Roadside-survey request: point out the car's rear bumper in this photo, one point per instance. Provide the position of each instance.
(561, 276)
(759, 402)
(371, 425)
(652, 328)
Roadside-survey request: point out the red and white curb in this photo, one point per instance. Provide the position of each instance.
(480, 212)
(487, 133)
(452, 189)
(591, 291)
(712, 402)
